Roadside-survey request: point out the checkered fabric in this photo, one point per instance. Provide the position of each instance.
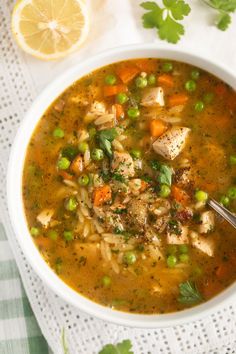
(19, 331)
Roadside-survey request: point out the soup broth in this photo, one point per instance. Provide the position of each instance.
(116, 180)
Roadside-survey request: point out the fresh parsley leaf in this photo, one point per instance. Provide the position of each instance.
(105, 137)
(124, 347)
(171, 30)
(189, 294)
(155, 165)
(165, 19)
(223, 21)
(153, 18)
(118, 177)
(174, 227)
(165, 175)
(224, 8)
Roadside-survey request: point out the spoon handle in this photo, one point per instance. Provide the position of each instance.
(225, 213)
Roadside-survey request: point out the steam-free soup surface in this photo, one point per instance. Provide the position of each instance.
(116, 180)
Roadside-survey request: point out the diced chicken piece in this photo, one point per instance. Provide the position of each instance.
(175, 239)
(137, 210)
(207, 219)
(59, 105)
(97, 108)
(45, 217)
(170, 144)
(203, 243)
(153, 97)
(123, 164)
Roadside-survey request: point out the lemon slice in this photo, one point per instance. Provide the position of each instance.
(50, 29)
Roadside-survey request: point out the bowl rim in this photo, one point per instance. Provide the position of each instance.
(14, 184)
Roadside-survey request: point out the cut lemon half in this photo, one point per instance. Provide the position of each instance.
(50, 29)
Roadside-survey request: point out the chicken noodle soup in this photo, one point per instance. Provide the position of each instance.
(116, 181)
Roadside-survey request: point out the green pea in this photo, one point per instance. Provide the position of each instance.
(195, 74)
(225, 201)
(34, 231)
(232, 160)
(97, 154)
(141, 82)
(208, 97)
(231, 193)
(71, 204)
(167, 67)
(199, 106)
(58, 133)
(133, 113)
(63, 163)
(171, 261)
(151, 79)
(110, 79)
(171, 249)
(53, 235)
(106, 281)
(68, 235)
(201, 196)
(184, 258)
(121, 98)
(183, 249)
(83, 180)
(164, 191)
(92, 132)
(136, 153)
(82, 147)
(190, 85)
(129, 258)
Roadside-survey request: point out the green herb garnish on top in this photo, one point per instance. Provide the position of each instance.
(105, 138)
(189, 293)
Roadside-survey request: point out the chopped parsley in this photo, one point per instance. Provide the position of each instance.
(188, 293)
(105, 138)
(165, 175)
(173, 226)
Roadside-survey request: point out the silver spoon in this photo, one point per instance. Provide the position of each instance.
(225, 213)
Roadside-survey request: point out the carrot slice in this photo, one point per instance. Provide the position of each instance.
(113, 90)
(43, 242)
(147, 65)
(65, 175)
(220, 90)
(144, 186)
(166, 80)
(157, 127)
(119, 111)
(180, 195)
(77, 165)
(102, 195)
(178, 99)
(127, 72)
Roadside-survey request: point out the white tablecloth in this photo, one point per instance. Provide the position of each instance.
(113, 23)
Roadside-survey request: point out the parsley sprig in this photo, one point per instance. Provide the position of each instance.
(224, 9)
(189, 293)
(165, 19)
(120, 348)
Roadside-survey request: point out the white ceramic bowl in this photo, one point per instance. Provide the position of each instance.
(14, 187)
